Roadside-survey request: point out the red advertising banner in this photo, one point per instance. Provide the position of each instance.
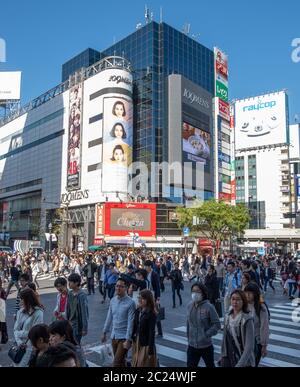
(124, 218)
(224, 110)
(221, 63)
(231, 122)
(233, 190)
(98, 242)
(224, 196)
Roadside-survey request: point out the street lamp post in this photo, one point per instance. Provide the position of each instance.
(133, 234)
(50, 237)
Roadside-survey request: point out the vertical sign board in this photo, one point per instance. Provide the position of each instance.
(222, 119)
(99, 221)
(74, 137)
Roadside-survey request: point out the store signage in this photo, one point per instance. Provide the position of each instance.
(75, 195)
(222, 91)
(224, 110)
(194, 98)
(119, 79)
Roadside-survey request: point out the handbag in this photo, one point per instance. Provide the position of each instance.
(17, 352)
(161, 314)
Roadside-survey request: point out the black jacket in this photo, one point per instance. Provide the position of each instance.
(211, 282)
(94, 268)
(144, 328)
(267, 276)
(139, 284)
(155, 284)
(176, 278)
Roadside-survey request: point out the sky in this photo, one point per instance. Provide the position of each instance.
(257, 36)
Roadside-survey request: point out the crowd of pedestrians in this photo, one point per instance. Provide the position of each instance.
(227, 286)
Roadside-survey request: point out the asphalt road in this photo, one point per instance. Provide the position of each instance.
(284, 348)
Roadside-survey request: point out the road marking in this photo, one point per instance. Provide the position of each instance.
(266, 361)
(272, 328)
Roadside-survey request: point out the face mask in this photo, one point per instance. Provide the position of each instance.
(197, 297)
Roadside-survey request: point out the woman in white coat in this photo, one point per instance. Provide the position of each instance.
(30, 314)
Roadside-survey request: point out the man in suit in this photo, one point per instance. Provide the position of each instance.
(267, 276)
(153, 280)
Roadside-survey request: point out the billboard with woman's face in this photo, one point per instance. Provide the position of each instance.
(74, 137)
(117, 143)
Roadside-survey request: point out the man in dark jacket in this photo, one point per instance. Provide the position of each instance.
(77, 312)
(102, 269)
(153, 280)
(162, 272)
(89, 271)
(267, 276)
(177, 285)
(14, 277)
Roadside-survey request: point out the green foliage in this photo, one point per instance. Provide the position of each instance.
(216, 220)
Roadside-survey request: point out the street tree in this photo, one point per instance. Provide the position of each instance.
(215, 220)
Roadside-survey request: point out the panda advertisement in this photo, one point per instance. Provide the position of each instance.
(261, 121)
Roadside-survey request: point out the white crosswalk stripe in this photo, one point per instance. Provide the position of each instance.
(283, 348)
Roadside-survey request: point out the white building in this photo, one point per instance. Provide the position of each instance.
(49, 157)
(262, 159)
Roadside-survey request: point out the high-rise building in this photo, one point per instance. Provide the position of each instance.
(262, 167)
(179, 92)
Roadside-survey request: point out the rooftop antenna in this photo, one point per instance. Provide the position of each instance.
(161, 14)
(147, 14)
(187, 28)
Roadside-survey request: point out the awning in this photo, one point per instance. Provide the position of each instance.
(96, 248)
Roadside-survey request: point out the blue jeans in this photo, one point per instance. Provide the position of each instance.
(292, 289)
(270, 281)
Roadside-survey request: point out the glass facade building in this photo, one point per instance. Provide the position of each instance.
(85, 59)
(155, 52)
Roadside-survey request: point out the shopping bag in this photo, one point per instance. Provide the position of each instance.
(106, 356)
(2, 311)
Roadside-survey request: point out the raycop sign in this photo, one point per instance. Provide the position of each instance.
(194, 98)
(260, 106)
(73, 196)
(119, 79)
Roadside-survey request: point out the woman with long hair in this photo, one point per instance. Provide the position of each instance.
(246, 279)
(260, 314)
(30, 314)
(238, 339)
(143, 334)
(61, 332)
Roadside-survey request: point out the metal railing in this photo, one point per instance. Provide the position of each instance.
(111, 62)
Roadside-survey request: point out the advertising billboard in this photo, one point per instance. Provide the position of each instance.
(74, 137)
(117, 143)
(221, 63)
(224, 110)
(99, 221)
(196, 144)
(261, 121)
(221, 91)
(10, 85)
(124, 218)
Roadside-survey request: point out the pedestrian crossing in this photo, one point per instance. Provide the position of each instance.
(283, 348)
